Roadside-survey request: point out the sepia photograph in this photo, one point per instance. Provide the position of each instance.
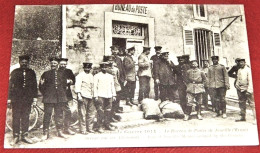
(130, 75)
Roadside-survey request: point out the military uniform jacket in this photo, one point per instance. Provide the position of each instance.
(53, 86)
(164, 72)
(181, 72)
(121, 69)
(22, 85)
(144, 66)
(155, 60)
(218, 76)
(196, 81)
(129, 66)
(69, 75)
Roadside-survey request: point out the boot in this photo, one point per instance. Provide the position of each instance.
(68, 131)
(45, 135)
(26, 139)
(128, 102)
(60, 134)
(224, 115)
(199, 112)
(15, 140)
(186, 117)
(242, 119)
(100, 130)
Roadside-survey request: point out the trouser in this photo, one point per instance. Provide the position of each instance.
(20, 113)
(243, 98)
(58, 115)
(144, 87)
(90, 113)
(67, 115)
(183, 96)
(218, 97)
(103, 106)
(167, 91)
(205, 98)
(190, 101)
(130, 90)
(116, 103)
(156, 89)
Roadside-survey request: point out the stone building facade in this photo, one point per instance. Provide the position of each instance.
(84, 33)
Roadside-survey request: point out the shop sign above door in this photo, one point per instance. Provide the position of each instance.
(134, 9)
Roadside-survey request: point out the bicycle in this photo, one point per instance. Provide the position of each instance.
(37, 113)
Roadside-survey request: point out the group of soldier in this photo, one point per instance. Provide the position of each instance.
(101, 92)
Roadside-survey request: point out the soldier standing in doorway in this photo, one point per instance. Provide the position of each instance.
(218, 82)
(130, 82)
(22, 95)
(53, 86)
(70, 81)
(119, 64)
(156, 58)
(144, 73)
(205, 95)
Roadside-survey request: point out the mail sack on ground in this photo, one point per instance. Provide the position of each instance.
(170, 109)
(151, 109)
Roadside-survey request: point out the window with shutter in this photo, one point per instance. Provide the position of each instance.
(217, 39)
(188, 37)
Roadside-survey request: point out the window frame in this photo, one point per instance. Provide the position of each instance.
(197, 16)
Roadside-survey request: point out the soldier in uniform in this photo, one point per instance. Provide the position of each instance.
(244, 89)
(186, 59)
(205, 95)
(130, 82)
(84, 87)
(156, 58)
(70, 81)
(195, 88)
(144, 73)
(53, 86)
(120, 66)
(218, 82)
(104, 95)
(113, 70)
(22, 94)
(233, 71)
(181, 72)
(165, 77)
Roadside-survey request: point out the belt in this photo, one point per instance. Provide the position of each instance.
(197, 82)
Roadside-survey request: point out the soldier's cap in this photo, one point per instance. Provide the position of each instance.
(237, 59)
(103, 64)
(108, 58)
(205, 60)
(114, 47)
(54, 59)
(186, 56)
(146, 48)
(193, 61)
(24, 57)
(87, 65)
(158, 47)
(164, 52)
(131, 48)
(179, 57)
(241, 59)
(214, 57)
(64, 59)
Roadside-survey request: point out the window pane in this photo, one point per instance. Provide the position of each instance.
(202, 11)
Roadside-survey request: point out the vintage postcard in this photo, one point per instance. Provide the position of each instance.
(130, 75)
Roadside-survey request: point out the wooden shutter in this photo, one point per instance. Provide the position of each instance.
(188, 41)
(217, 45)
